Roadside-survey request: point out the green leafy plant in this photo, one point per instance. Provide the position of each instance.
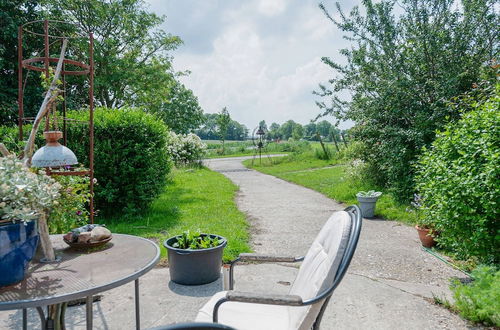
(196, 241)
(23, 192)
(370, 193)
(458, 177)
(479, 301)
(72, 209)
(131, 158)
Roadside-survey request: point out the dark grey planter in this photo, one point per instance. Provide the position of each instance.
(194, 267)
(367, 206)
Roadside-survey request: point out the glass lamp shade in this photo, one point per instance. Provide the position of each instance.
(53, 154)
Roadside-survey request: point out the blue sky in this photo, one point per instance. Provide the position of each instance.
(259, 58)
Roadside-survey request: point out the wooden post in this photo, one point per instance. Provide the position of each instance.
(343, 139)
(323, 146)
(50, 98)
(335, 141)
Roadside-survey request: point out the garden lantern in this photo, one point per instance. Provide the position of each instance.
(53, 154)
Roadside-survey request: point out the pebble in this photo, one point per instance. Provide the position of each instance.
(99, 234)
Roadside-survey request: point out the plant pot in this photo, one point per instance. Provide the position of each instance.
(426, 239)
(18, 242)
(367, 206)
(194, 267)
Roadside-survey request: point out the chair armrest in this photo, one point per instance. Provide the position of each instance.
(263, 298)
(267, 258)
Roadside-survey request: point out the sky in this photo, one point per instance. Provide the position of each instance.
(259, 58)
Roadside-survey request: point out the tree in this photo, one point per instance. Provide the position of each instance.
(223, 121)
(323, 128)
(286, 129)
(274, 131)
(181, 113)
(263, 124)
(130, 51)
(310, 131)
(14, 13)
(401, 70)
(297, 132)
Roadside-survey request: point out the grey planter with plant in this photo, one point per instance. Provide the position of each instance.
(195, 258)
(367, 201)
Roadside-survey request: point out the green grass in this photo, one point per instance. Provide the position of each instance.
(331, 181)
(193, 199)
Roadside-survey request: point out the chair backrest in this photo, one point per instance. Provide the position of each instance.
(324, 265)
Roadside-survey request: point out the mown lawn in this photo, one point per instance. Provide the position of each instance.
(330, 179)
(193, 199)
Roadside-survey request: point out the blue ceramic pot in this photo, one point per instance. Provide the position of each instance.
(18, 242)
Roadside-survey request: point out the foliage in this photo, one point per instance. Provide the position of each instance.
(72, 208)
(458, 178)
(130, 50)
(209, 129)
(195, 241)
(369, 193)
(223, 121)
(181, 113)
(24, 193)
(13, 13)
(400, 75)
(131, 157)
(479, 301)
(185, 149)
(194, 198)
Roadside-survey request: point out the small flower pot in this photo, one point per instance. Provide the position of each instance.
(194, 267)
(367, 206)
(426, 238)
(18, 242)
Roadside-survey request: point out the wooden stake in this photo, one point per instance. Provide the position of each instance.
(43, 230)
(4, 150)
(50, 98)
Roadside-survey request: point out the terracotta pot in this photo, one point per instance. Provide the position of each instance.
(52, 136)
(426, 239)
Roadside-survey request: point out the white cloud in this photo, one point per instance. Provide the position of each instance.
(271, 7)
(261, 59)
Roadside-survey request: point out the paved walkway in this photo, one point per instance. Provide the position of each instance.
(389, 285)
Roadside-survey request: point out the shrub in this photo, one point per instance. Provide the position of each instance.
(458, 179)
(185, 148)
(130, 156)
(72, 208)
(24, 193)
(479, 301)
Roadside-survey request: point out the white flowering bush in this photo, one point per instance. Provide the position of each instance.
(185, 148)
(23, 193)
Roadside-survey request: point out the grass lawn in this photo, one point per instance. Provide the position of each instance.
(329, 178)
(193, 199)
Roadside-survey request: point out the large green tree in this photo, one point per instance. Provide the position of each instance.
(181, 112)
(14, 13)
(403, 66)
(131, 52)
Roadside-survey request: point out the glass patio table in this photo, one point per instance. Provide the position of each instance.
(80, 274)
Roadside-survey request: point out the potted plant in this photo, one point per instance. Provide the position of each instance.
(425, 229)
(367, 201)
(195, 258)
(24, 195)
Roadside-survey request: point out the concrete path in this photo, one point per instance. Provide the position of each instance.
(389, 285)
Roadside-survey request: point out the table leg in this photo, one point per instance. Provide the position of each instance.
(89, 313)
(43, 320)
(137, 310)
(25, 319)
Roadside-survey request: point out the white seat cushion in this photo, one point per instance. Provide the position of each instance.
(245, 316)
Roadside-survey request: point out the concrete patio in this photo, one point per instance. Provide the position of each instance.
(390, 283)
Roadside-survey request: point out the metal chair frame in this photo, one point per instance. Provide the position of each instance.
(291, 300)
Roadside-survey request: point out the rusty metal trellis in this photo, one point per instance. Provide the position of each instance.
(87, 69)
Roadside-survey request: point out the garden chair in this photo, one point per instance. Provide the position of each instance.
(322, 269)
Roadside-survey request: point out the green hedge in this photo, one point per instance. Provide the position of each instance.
(459, 177)
(130, 156)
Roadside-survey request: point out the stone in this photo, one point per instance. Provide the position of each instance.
(68, 237)
(99, 234)
(84, 237)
